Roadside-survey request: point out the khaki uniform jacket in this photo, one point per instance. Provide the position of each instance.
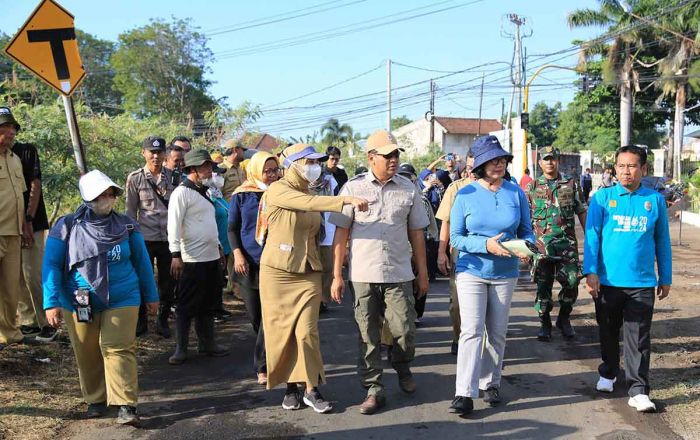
(233, 178)
(12, 188)
(294, 221)
(144, 205)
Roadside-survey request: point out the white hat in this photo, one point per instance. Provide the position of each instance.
(95, 183)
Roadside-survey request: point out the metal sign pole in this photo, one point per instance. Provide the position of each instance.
(78, 150)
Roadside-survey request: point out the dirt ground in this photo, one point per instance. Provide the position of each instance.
(39, 392)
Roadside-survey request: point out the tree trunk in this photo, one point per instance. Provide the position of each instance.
(626, 104)
(678, 123)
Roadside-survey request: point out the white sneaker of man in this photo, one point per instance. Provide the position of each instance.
(606, 385)
(642, 403)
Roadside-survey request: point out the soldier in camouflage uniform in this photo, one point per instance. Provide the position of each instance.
(555, 200)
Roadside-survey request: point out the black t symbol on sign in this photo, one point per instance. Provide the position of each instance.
(55, 37)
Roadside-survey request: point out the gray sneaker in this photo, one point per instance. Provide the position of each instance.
(492, 396)
(128, 416)
(315, 400)
(292, 400)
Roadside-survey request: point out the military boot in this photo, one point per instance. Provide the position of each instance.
(545, 333)
(564, 324)
(182, 338)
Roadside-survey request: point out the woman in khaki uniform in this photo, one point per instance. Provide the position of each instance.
(290, 277)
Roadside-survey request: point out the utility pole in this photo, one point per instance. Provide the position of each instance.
(517, 68)
(388, 95)
(432, 111)
(481, 103)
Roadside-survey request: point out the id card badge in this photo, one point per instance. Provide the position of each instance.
(82, 305)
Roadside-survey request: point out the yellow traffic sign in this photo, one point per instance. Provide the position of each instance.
(46, 45)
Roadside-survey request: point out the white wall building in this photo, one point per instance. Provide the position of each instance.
(454, 135)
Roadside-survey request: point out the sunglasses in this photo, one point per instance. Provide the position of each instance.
(393, 155)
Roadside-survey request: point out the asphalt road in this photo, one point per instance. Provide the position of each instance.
(548, 390)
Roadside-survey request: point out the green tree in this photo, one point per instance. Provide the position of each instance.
(619, 60)
(97, 90)
(399, 122)
(544, 121)
(160, 68)
(336, 134)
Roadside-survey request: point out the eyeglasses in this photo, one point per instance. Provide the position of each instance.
(498, 161)
(271, 171)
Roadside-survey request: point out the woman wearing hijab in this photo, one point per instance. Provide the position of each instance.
(290, 277)
(96, 268)
(485, 213)
(262, 170)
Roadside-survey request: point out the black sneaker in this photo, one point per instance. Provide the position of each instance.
(127, 416)
(492, 396)
(292, 400)
(47, 334)
(455, 348)
(96, 410)
(29, 330)
(315, 400)
(219, 318)
(462, 405)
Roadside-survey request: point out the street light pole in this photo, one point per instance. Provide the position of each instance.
(526, 96)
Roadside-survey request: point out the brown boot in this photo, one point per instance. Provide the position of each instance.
(371, 405)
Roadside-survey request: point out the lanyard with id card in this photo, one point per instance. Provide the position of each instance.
(81, 303)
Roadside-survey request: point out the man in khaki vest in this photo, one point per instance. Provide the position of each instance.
(14, 233)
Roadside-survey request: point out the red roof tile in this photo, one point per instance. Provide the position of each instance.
(468, 125)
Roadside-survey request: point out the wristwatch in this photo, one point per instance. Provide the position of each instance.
(29, 218)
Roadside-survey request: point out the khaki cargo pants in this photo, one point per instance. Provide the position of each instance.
(374, 303)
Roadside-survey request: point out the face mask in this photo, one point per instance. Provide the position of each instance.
(215, 181)
(102, 206)
(311, 172)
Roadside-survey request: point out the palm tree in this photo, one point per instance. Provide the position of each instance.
(336, 134)
(675, 67)
(619, 56)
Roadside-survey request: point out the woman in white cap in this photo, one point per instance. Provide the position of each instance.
(96, 268)
(290, 277)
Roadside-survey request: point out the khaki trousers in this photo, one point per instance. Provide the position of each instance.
(10, 270)
(105, 351)
(31, 296)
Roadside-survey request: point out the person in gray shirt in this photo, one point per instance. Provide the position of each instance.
(382, 241)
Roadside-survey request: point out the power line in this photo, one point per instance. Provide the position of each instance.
(279, 18)
(340, 31)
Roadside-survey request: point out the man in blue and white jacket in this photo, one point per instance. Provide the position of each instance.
(626, 232)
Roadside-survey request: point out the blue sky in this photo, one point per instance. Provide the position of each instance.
(464, 36)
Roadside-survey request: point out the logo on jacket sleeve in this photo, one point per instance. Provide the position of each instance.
(612, 203)
(647, 206)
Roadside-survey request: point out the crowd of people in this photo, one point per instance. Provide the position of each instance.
(290, 232)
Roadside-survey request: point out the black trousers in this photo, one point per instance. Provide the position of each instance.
(199, 289)
(160, 257)
(632, 308)
(250, 293)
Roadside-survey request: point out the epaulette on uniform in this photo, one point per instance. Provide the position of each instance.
(357, 176)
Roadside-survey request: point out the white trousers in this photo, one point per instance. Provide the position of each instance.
(484, 306)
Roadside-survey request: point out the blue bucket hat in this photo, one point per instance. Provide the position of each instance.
(487, 148)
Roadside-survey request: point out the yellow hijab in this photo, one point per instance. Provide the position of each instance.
(254, 170)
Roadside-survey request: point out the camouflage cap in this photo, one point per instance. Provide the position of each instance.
(548, 151)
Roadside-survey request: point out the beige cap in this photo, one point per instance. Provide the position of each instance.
(382, 142)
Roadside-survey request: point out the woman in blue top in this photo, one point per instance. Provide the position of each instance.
(485, 213)
(215, 184)
(95, 267)
(263, 169)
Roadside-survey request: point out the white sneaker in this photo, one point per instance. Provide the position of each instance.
(605, 385)
(642, 403)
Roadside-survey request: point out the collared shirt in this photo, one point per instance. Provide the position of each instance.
(12, 188)
(379, 248)
(554, 205)
(626, 232)
(233, 178)
(144, 205)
